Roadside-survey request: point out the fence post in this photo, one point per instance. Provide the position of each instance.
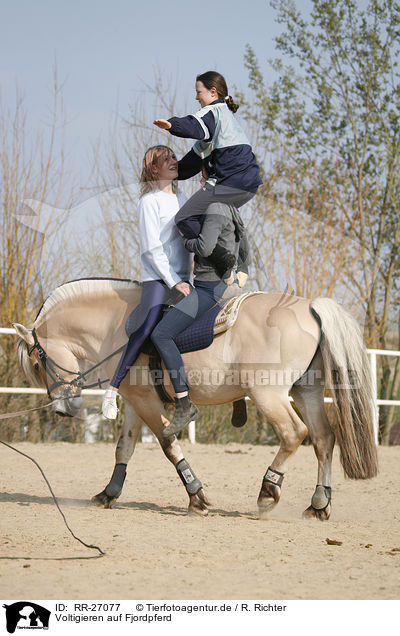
(375, 409)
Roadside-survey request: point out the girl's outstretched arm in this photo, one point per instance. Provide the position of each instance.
(198, 126)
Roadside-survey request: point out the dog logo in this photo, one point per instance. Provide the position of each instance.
(26, 615)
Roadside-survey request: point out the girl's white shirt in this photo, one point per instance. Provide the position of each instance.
(162, 252)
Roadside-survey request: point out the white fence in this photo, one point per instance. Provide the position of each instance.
(373, 353)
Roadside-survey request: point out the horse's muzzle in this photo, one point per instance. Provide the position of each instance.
(67, 406)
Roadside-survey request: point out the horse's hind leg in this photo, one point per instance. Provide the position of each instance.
(291, 431)
(125, 446)
(151, 409)
(309, 398)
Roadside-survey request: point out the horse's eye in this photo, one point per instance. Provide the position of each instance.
(36, 365)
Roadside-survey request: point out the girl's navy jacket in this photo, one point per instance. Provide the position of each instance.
(222, 147)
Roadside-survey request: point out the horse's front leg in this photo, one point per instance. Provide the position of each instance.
(151, 409)
(125, 446)
(198, 502)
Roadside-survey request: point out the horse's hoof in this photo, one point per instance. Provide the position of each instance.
(102, 500)
(265, 507)
(268, 498)
(199, 512)
(320, 504)
(313, 513)
(198, 504)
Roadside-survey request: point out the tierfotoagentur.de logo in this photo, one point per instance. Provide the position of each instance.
(26, 615)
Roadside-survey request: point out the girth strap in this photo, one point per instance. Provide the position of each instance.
(157, 376)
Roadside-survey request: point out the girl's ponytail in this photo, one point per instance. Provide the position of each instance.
(231, 104)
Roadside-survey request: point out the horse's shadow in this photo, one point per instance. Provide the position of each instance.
(147, 506)
(252, 516)
(24, 499)
(183, 511)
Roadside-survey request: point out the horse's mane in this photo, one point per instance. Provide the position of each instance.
(83, 287)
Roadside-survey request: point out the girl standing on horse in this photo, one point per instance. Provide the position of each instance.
(164, 259)
(224, 154)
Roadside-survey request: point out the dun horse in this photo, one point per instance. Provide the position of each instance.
(279, 346)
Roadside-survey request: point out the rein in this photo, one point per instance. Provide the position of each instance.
(49, 365)
(6, 416)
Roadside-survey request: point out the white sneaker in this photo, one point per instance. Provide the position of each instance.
(109, 406)
(242, 278)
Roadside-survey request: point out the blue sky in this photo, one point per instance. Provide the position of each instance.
(104, 47)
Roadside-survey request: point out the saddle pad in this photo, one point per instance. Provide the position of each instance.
(216, 320)
(201, 333)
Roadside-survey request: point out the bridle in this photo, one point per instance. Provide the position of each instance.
(50, 367)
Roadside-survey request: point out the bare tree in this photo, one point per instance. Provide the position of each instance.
(31, 166)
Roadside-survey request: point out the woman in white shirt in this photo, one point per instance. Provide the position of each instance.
(164, 259)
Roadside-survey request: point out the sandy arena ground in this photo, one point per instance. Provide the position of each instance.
(156, 551)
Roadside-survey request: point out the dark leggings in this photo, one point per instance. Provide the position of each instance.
(204, 296)
(153, 298)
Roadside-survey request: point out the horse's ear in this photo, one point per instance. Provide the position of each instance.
(24, 333)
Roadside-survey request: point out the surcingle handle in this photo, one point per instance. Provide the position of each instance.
(189, 479)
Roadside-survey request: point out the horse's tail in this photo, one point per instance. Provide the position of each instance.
(348, 376)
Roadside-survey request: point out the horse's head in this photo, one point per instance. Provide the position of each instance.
(38, 366)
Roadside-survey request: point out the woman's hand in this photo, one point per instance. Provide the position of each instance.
(162, 123)
(183, 287)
